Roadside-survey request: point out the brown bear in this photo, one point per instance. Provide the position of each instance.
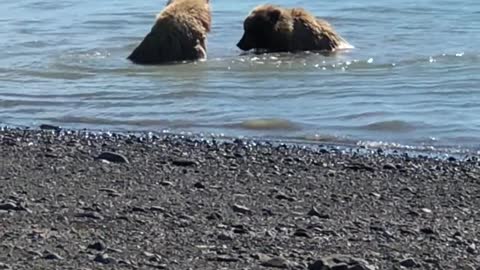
(179, 34)
(275, 29)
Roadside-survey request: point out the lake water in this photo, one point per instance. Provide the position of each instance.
(413, 79)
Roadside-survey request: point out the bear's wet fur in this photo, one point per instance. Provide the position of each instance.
(179, 34)
(272, 28)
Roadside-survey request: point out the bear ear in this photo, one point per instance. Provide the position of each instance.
(274, 15)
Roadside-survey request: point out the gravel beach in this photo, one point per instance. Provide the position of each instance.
(79, 200)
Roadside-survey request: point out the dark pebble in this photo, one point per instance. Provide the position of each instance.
(199, 185)
(277, 262)
(225, 236)
(99, 246)
(225, 258)
(427, 230)
(451, 159)
(340, 266)
(92, 215)
(409, 263)
(155, 266)
(389, 166)
(138, 209)
(315, 212)
(340, 262)
(104, 259)
(184, 163)
(152, 256)
(267, 212)
(9, 206)
(360, 167)
(50, 155)
(113, 157)
(240, 229)
(282, 196)
(50, 127)
(214, 216)
(157, 209)
(110, 192)
(471, 249)
(301, 233)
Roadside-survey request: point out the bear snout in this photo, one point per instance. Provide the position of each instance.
(243, 44)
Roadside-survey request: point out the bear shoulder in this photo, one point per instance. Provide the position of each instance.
(314, 32)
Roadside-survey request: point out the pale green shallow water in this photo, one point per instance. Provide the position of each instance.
(412, 79)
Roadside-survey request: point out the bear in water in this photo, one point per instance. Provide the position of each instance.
(179, 34)
(275, 29)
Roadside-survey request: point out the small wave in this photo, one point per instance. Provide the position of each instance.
(69, 120)
(424, 149)
(389, 126)
(364, 114)
(53, 74)
(342, 61)
(45, 5)
(34, 103)
(268, 124)
(325, 138)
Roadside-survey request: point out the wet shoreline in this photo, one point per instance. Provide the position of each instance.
(86, 200)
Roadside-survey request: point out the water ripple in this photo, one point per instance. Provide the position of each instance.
(410, 80)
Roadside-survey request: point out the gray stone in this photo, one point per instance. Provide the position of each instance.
(113, 157)
(110, 192)
(331, 173)
(104, 259)
(241, 209)
(184, 163)
(471, 249)
(261, 257)
(50, 127)
(409, 263)
(339, 262)
(225, 236)
(301, 233)
(389, 166)
(283, 196)
(52, 256)
(427, 230)
(4, 266)
(199, 185)
(340, 266)
(97, 246)
(225, 258)
(91, 215)
(315, 212)
(166, 183)
(9, 206)
(276, 262)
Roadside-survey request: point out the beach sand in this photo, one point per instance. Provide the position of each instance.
(167, 202)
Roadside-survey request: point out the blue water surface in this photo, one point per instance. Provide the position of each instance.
(412, 79)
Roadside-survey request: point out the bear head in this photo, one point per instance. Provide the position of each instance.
(265, 29)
